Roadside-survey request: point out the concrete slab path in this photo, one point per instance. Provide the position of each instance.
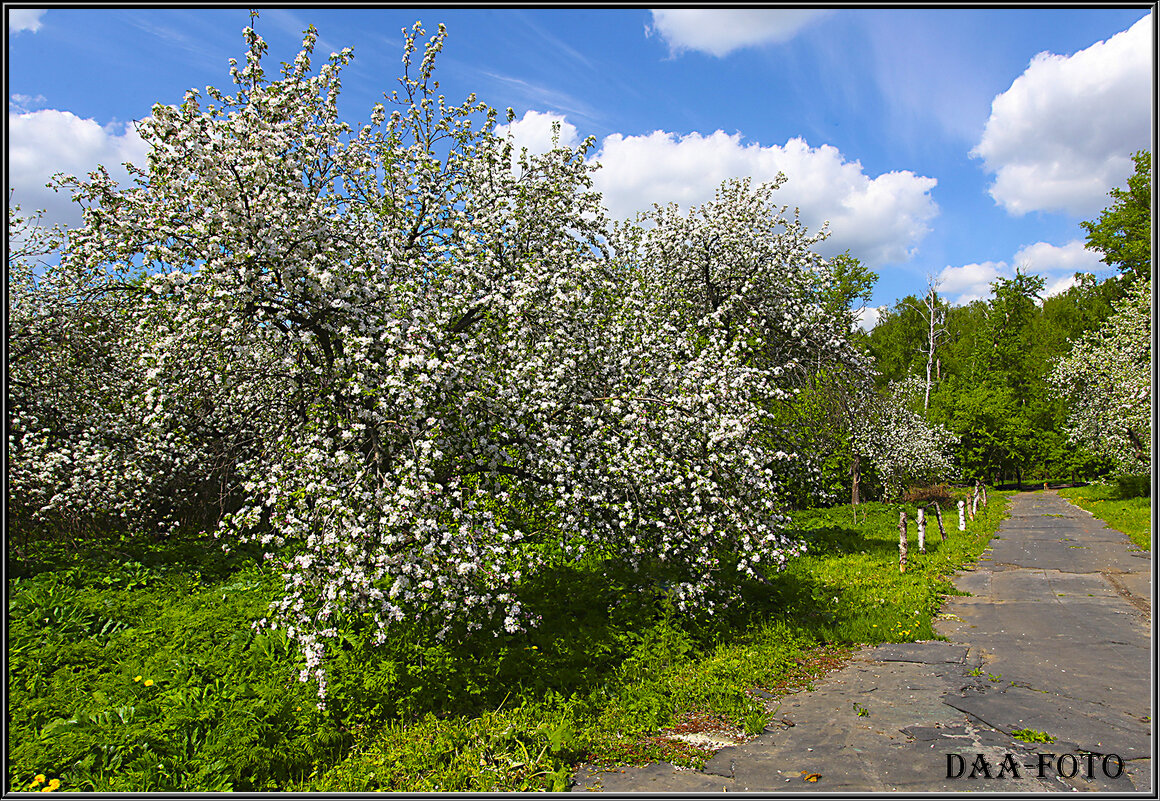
(1055, 637)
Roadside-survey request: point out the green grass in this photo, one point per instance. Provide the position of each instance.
(610, 669)
(1032, 736)
(1132, 516)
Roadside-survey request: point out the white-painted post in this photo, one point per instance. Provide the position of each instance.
(902, 541)
(975, 501)
(938, 515)
(962, 516)
(921, 518)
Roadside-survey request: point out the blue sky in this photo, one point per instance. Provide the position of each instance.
(939, 143)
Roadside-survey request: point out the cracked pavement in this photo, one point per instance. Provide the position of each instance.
(1056, 637)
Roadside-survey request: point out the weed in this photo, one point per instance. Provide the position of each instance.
(1032, 736)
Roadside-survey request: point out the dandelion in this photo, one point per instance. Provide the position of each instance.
(53, 784)
(137, 678)
(39, 779)
(148, 682)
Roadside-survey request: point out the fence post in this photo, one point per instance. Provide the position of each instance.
(902, 541)
(921, 520)
(938, 515)
(962, 516)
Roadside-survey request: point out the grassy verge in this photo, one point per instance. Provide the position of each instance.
(138, 670)
(1132, 516)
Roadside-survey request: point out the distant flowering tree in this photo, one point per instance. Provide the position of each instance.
(1107, 381)
(412, 371)
(903, 447)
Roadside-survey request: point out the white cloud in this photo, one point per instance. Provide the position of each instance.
(1044, 257)
(43, 143)
(868, 316)
(534, 131)
(879, 219)
(720, 32)
(1056, 264)
(24, 19)
(1062, 135)
(971, 281)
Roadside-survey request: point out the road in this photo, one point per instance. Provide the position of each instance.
(1054, 641)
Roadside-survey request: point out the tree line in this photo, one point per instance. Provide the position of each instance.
(1041, 387)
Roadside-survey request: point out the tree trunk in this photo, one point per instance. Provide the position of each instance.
(856, 479)
(962, 516)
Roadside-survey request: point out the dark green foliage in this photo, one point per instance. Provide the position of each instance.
(898, 341)
(1133, 487)
(990, 375)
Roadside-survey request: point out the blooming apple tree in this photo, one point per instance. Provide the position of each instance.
(1107, 381)
(413, 367)
(899, 443)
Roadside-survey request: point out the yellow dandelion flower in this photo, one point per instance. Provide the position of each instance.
(37, 780)
(138, 678)
(53, 784)
(148, 682)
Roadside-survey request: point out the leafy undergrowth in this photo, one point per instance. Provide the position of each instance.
(135, 668)
(1132, 516)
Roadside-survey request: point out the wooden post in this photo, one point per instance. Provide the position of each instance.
(938, 514)
(902, 541)
(975, 501)
(984, 486)
(921, 519)
(962, 516)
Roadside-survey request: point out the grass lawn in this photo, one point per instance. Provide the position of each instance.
(1132, 516)
(134, 668)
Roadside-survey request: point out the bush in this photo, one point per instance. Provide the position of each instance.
(1139, 486)
(935, 493)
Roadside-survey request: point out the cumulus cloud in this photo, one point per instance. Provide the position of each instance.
(867, 317)
(879, 219)
(1056, 264)
(720, 32)
(1044, 257)
(24, 19)
(1062, 135)
(535, 132)
(971, 281)
(43, 143)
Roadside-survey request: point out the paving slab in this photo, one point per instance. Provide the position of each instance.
(1055, 637)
